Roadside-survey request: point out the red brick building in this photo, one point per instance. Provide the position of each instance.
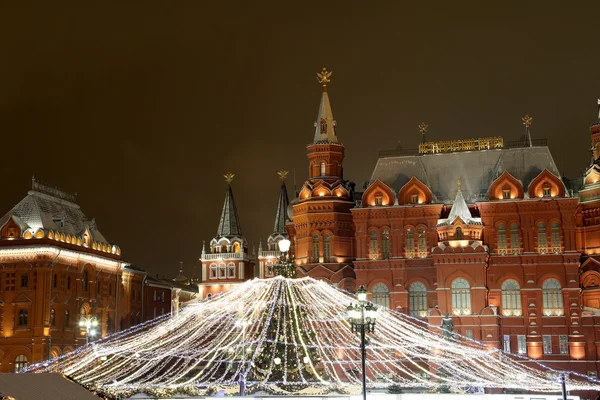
(484, 230)
(56, 268)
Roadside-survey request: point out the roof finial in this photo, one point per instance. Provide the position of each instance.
(423, 129)
(323, 78)
(181, 267)
(229, 177)
(283, 174)
(527, 121)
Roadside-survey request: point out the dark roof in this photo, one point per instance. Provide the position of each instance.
(43, 387)
(229, 225)
(476, 170)
(281, 218)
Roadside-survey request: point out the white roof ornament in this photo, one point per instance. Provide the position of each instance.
(459, 209)
(325, 124)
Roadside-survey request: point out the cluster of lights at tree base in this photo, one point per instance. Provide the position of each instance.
(290, 335)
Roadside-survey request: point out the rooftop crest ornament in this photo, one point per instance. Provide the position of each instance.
(323, 77)
(229, 177)
(527, 120)
(423, 128)
(283, 174)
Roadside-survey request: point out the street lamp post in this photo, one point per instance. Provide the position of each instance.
(90, 324)
(563, 385)
(362, 316)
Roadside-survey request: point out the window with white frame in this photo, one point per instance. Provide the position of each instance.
(381, 295)
(269, 268)
(422, 243)
(469, 333)
(417, 299)
(511, 298)
(213, 271)
(222, 271)
(522, 344)
(230, 270)
(506, 343)
(552, 296)
(323, 169)
(547, 344)
(461, 297)
(410, 244)
(515, 244)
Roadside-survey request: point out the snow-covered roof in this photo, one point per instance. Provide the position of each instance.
(43, 387)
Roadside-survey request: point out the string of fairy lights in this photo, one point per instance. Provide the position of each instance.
(300, 327)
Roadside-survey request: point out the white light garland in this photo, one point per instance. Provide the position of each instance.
(218, 342)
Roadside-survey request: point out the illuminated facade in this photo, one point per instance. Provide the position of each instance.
(56, 269)
(482, 229)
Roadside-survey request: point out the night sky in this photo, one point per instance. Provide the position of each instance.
(142, 108)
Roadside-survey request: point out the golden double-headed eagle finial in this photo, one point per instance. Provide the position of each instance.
(527, 120)
(229, 177)
(423, 128)
(323, 77)
(458, 183)
(283, 174)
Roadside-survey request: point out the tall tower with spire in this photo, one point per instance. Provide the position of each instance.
(322, 229)
(227, 261)
(267, 257)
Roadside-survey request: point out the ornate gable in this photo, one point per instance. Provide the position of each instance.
(378, 194)
(506, 186)
(592, 175)
(546, 184)
(414, 192)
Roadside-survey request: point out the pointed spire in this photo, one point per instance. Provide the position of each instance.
(203, 247)
(325, 124)
(229, 224)
(527, 120)
(459, 207)
(281, 218)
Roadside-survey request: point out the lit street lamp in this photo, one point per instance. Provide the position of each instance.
(285, 264)
(90, 324)
(362, 316)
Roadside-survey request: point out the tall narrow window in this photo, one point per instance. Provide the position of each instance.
(552, 296)
(52, 317)
(511, 298)
(67, 319)
(501, 239)
(373, 250)
(84, 281)
(563, 341)
(515, 244)
(417, 299)
(21, 362)
(555, 237)
(326, 248)
(222, 271)
(213, 271)
(542, 240)
(385, 244)
(315, 254)
(459, 233)
(522, 344)
(461, 297)
(231, 270)
(547, 343)
(410, 244)
(23, 317)
(507, 343)
(24, 280)
(322, 169)
(422, 243)
(381, 295)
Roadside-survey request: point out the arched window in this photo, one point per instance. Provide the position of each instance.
(373, 245)
(84, 281)
(461, 297)
(417, 298)
(515, 244)
(542, 240)
(269, 268)
(555, 237)
(410, 244)
(23, 317)
(459, 233)
(52, 317)
(67, 319)
(552, 295)
(381, 295)
(326, 248)
(501, 239)
(422, 243)
(213, 271)
(236, 247)
(323, 126)
(511, 298)
(21, 362)
(315, 254)
(231, 270)
(222, 271)
(323, 169)
(385, 244)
